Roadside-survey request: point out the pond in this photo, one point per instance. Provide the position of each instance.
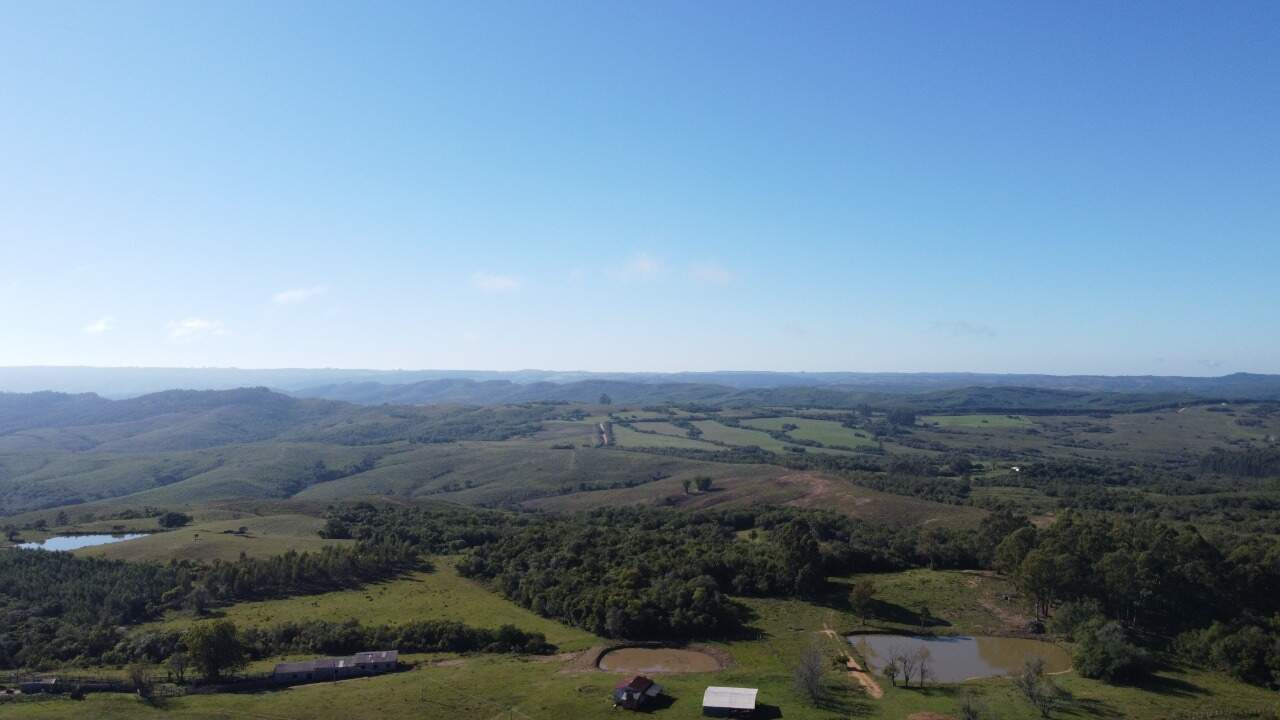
(75, 542)
(962, 657)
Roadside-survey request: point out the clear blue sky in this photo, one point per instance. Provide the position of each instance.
(1022, 186)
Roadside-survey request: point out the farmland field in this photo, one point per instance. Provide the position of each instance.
(741, 437)
(628, 438)
(827, 432)
(662, 428)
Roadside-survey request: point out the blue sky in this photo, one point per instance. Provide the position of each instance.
(1046, 187)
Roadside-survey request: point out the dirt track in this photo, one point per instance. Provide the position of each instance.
(861, 676)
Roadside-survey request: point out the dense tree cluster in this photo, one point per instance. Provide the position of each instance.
(173, 519)
(418, 636)
(1156, 578)
(437, 529)
(58, 608)
(294, 573)
(642, 574)
(1247, 648)
(1252, 463)
(626, 579)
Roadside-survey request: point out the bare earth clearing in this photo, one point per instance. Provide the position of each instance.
(657, 660)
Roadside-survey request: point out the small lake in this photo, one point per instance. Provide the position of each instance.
(75, 542)
(962, 657)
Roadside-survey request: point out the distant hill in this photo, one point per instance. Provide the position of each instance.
(195, 419)
(189, 446)
(967, 399)
(497, 392)
(346, 383)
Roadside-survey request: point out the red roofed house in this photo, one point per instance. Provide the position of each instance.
(633, 694)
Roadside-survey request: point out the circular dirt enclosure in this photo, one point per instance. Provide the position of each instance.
(657, 660)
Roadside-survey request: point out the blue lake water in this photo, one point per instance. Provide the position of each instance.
(75, 542)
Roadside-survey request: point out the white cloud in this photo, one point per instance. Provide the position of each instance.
(298, 295)
(101, 325)
(494, 283)
(642, 266)
(711, 273)
(194, 327)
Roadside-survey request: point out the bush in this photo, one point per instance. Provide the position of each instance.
(1071, 617)
(1105, 653)
(174, 519)
(1247, 652)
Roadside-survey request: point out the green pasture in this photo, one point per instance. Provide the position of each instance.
(827, 432)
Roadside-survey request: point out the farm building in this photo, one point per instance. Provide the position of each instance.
(636, 692)
(729, 702)
(336, 668)
(46, 685)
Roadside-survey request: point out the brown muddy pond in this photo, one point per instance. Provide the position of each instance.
(657, 660)
(962, 657)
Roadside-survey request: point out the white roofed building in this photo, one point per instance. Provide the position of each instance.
(729, 701)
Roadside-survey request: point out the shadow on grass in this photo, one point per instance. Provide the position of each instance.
(662, 702)
(843, 705)
(835, 600)
(1163, 685)
(744, 631)
(1090, 707)
(933, 691)
(767, 712)
(893, 613)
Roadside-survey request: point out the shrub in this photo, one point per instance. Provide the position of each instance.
(174, 519)
(1071, 617)
(1105, 653)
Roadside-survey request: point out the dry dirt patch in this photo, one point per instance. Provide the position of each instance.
(657, 660)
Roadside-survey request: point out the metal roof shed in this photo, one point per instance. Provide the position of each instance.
(728, 701)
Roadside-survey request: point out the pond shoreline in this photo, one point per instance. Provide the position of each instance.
(957, 658)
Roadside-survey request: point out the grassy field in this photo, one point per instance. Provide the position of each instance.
(662, 428)
(264, 536)
(485, 687)
(747, 485)
(626, 415)
(741, 437)
(626, 437)
(442, 594)
(827, 432)
(510, 471)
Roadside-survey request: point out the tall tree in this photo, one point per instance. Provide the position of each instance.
(863, 598)
(215, 649)
(807, 673)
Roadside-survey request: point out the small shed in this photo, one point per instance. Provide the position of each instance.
(729, 702)
(636, 692)
(319, 670)
(45, 685)
(337, 668)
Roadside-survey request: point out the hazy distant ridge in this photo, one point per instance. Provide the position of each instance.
(414, 386)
